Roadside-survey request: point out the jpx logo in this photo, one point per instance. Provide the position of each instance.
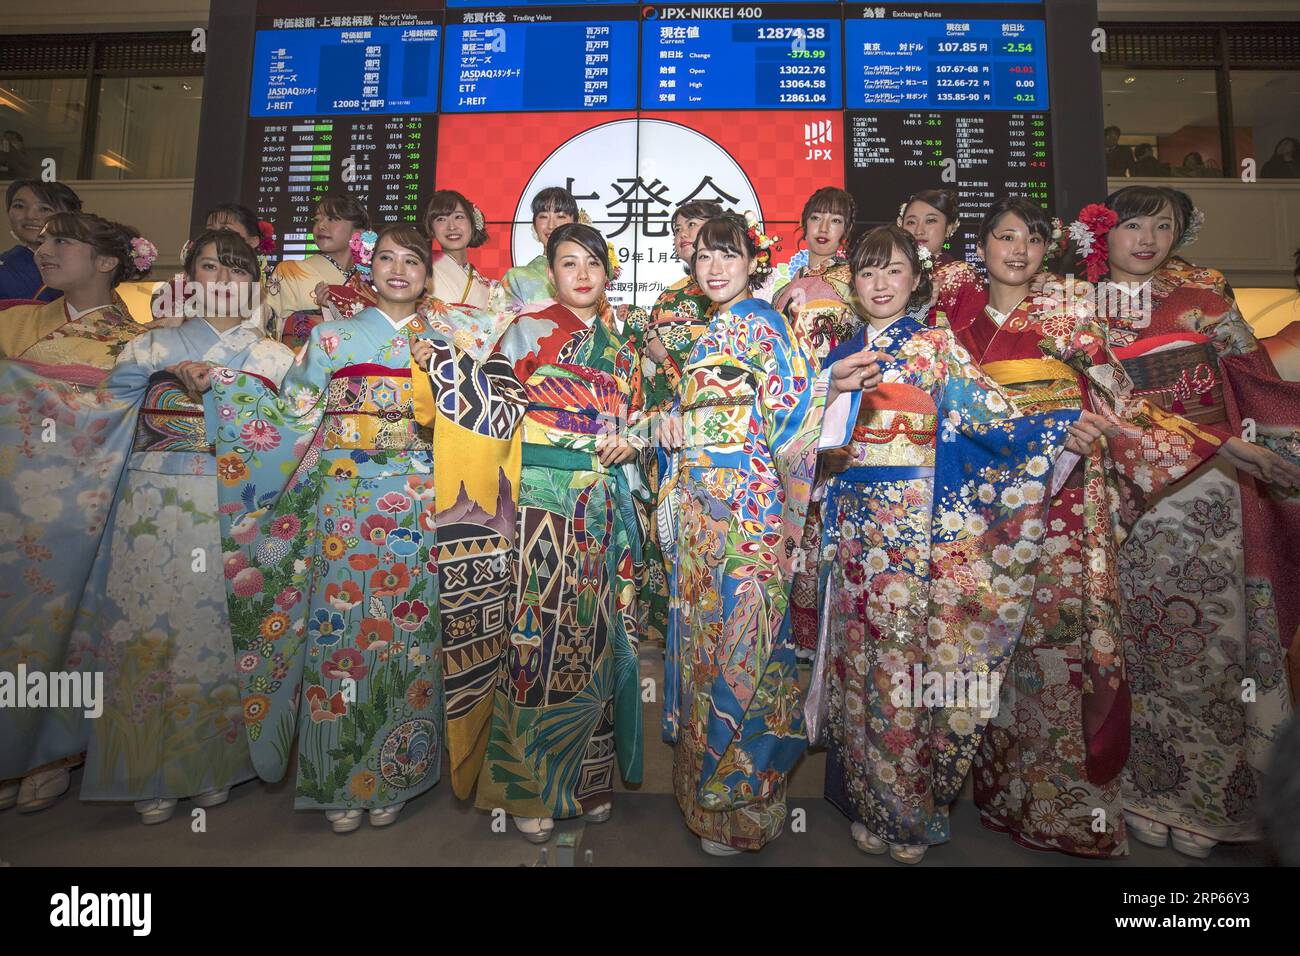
(815, 137)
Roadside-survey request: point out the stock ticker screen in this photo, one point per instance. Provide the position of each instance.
(638, 109)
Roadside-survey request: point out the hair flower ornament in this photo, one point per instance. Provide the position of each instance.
(1055, 243)
(615, 267)
(762, 242)
(143, 254)
(1089, 235)
(266, 237)
(362, 247)
(925, 257)
(476, 215)
(1192, 230)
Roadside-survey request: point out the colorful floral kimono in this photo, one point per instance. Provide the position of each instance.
(954, 281)
(367, 587)
(1054, 753)
(57, 428)
(1200, 603)
(293, 310)
(453, 282)
(172, 724)
(816, 301)
(528, 284)
(567, 704)
(738, 493)
(928, 561)
(678, 318)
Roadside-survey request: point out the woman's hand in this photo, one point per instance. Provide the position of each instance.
(320, 293)
(422, 352)
(1261, 463)
(859, 371)
(1087, 431)
(195, 376)
(834, 461)
(613, 448)
(670, 432)
(655, 347)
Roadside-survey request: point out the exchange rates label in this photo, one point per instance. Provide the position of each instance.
(523, 60)
(331, 71)
(893, 154)
(764, 56)
(945, 61)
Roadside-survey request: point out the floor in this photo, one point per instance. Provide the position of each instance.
(259, 827)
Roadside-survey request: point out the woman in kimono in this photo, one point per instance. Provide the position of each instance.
(172, 725)
(664, 338)
(552, 207)
(815, 300)
(931, 217)
(62, 351)
(907, 533)
(296, 290)
(1054, 754)
(456, 225)
(30, 203)
(568, 700)
(751, 418)
(332, 517)
(1200, 605)
(168, 301)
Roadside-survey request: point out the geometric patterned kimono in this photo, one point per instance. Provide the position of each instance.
(172, 724)
(335, 526)
(567, 703)
(1196, 625)
(679, 316)
(815, 301)
(51, 518)
(752, 414)
(930, 550)
(1056, 749)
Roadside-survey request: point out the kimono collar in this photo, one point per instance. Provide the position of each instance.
(252, 324)
(871, 333)
(76, 315)
(398, 326)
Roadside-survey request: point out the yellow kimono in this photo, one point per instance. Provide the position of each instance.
(290, 287)
(54, 333)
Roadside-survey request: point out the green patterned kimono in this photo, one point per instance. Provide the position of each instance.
(567, 700)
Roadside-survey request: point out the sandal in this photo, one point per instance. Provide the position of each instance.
(867, 841)
(1192, 844)
(344, 821)
(1145, 830)
(714, 848)
(534, 829)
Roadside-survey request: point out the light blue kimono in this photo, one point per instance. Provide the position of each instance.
(172, 724)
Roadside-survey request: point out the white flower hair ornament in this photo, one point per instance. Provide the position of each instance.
(476, 215)
(1056, 241)
(762, 242)
(925, 256)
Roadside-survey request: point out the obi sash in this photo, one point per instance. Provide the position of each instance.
(568, 408)
(1178, 372)
(897, 428)
(1039, 384)
(372, 407)
(170, 420)
(716, 407)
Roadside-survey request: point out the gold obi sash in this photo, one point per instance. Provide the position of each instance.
(1037, 385)
(897, 425)
(370, 407)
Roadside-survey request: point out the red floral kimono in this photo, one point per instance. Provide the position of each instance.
(1203, 568)
(1054, 753)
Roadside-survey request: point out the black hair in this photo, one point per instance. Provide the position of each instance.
(730, 233)
(241, 214)
(944, 200)
(1109, 128)
(346, 207)
(1143, 149)
(876, 250)
(443, 203)
(698, 209)
(58, 196)
(232, 251)
(105, 237)
(1033, 215)
(1277, 150)
(1134, 201)
(587, 237)
(555, 198)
